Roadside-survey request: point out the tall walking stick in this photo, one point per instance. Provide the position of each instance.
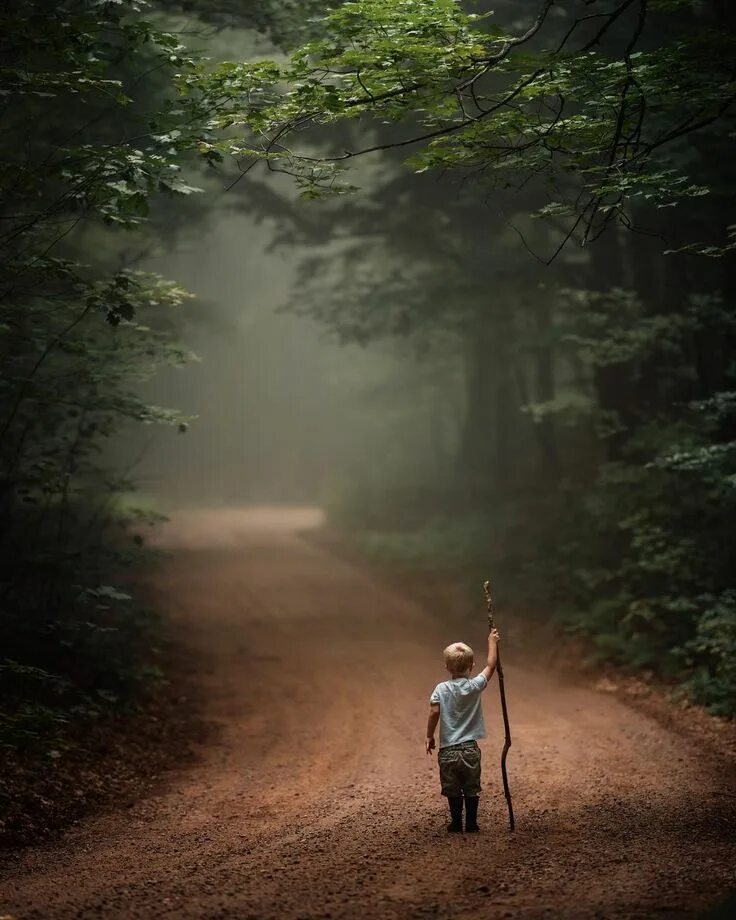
(504, 710)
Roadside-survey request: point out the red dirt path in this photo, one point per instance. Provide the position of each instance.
(313, 796)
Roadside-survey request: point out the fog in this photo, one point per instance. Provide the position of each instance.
(283, 412)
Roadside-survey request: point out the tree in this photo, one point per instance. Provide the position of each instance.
(83, 156)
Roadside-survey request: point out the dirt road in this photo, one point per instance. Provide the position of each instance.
(313, 796)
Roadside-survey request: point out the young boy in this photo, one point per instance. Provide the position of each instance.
(455, 704)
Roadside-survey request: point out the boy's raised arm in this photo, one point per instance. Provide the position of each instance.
(493, 640)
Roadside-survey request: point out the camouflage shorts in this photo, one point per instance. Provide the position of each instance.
(460, 769)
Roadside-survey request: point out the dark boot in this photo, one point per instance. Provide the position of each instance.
(456, 811)
(471, 814)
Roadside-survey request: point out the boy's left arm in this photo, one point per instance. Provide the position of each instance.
(434, 717)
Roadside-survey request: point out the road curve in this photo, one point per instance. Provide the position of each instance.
(312, 796)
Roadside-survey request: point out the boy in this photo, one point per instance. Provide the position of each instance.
(455, 704)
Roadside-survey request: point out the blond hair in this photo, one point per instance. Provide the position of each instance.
(458, 658)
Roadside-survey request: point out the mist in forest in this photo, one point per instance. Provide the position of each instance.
(465, 281)
(283, 412)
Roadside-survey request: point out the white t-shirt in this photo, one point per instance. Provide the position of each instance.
(461, 715)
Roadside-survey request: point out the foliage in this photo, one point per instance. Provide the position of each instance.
(80, 331)
(554, 103)
(286, 23)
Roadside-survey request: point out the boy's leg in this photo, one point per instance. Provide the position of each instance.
(471, 788)
(450, 763)
(471, 814)
(456, 814)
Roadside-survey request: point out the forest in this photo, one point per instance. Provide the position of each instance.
(510, 236)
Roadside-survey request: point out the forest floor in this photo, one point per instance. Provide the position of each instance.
(311, 795)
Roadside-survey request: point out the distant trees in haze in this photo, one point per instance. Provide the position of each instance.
(599, 408)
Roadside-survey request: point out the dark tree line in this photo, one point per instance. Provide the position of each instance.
(91, 136)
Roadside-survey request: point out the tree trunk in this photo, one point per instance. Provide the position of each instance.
(491, 413)
(545, 391)
(611, 382)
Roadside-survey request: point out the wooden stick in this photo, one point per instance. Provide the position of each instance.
(504, 709)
